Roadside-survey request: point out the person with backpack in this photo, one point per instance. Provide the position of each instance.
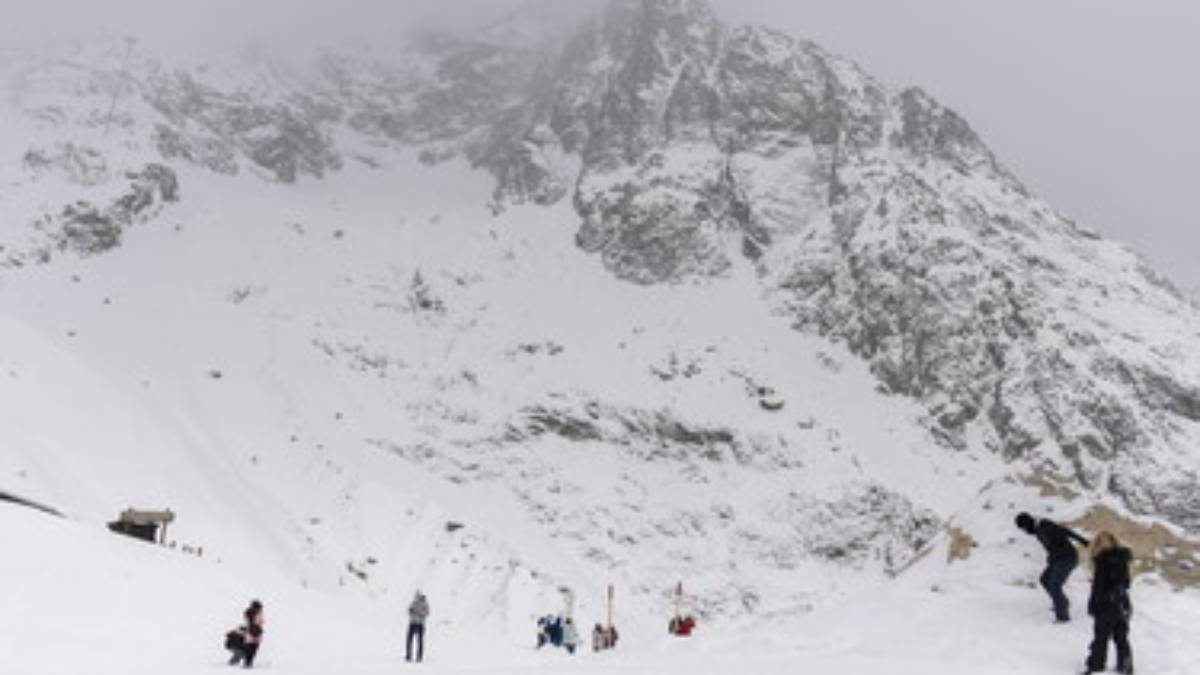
(244, 642)
(1109, 604)
(418, 612)
(1061, 558)
(549, 631)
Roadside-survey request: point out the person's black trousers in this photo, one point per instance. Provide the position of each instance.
(1110, 625)
(244, 654)
(1053, 580)
(415, 631)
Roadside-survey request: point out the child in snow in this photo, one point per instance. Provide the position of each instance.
(245, 641)
(681, 626)
(1109, 604)
(418, 611)
(1061, 559)
(570, 637)
(603, 638)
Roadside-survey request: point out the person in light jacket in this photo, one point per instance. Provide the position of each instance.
(570, 637)
(418, 612)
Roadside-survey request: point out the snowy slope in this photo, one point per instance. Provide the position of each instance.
(349, 424)
(129, 608)
(279, 353)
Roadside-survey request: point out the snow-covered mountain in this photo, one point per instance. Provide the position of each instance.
(653, 299)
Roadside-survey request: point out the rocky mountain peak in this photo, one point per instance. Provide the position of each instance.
(928, 129)
(540, 24)
(676, 17)
(874, 218)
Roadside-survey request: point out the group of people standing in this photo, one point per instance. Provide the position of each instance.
(1108, 603)
(557, 631)
(243, 642)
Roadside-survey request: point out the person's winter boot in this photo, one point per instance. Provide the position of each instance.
(1125, 668)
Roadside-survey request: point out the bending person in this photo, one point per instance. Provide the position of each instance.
(1061, 559)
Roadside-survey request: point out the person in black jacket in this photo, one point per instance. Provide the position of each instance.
(1061, 559)
(1109, 604)
(252, 633)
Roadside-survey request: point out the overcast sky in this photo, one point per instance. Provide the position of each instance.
(1095, 104)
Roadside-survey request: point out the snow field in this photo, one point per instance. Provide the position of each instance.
(255, 361)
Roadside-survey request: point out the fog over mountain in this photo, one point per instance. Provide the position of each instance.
(1088, 99)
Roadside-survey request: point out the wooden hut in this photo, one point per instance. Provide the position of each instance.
(148, 526)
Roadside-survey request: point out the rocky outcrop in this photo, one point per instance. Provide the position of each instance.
(288, 137)
(79, 165)
(86, 229)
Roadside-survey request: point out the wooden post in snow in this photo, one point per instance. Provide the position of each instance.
(610, 605)
(568, 602)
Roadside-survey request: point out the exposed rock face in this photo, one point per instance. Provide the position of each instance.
(288, 137)
(873, 218)
(86, 229)
(90, 231)
(783, 525)
(79, 165)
